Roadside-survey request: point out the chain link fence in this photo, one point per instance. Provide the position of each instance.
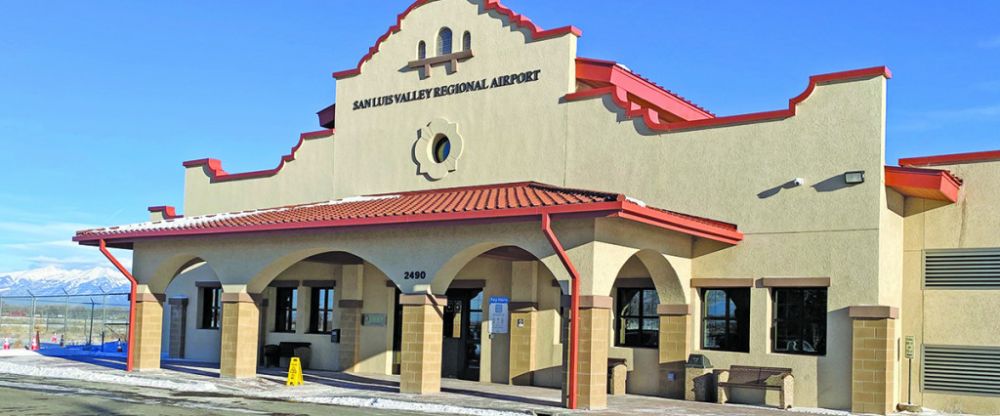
(96, 322)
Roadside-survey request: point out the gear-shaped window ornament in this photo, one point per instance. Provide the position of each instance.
(438, 149)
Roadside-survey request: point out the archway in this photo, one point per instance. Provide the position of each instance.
(647, 285)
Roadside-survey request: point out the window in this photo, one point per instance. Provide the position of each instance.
(322, 310)
(800, 321)
(726, 317)
(637, 325)
(421, 50)
(444, 42)
(284, 321)
(467, 41)
(442, 148)
(211, 307)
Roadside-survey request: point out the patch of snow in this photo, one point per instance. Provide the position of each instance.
(820, 411)
(389, 404)
(178, 223)
(636, 201)
(100, 377)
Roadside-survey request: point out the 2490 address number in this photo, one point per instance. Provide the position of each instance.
(414, 275)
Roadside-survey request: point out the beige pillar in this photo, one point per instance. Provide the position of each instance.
(148, 332)
(595, 338)
(420, 369)
(873, 355)
(240, 321)
(351, 296)
(523, 328)
(675, 346)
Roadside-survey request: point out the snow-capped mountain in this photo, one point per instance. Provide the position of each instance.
(51, 280)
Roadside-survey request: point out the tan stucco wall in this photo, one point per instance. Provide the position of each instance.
(199, 344)
(952, 317)
(735, 173)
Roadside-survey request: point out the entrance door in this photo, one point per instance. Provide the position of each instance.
(463, 322)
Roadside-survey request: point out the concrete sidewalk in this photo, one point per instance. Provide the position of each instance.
(371, 391)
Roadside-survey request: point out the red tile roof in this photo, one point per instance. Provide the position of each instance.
(491, 202)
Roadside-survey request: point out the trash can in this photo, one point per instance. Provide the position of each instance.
(698, 382)
(304, 353)
(272, 356)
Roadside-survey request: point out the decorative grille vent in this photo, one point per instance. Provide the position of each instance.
(962, 269)
(957, 369)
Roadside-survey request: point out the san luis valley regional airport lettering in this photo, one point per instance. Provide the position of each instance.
(459, 88)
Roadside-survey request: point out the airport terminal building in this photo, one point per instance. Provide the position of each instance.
(484, 204)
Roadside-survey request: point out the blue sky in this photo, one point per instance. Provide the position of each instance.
(101, 101)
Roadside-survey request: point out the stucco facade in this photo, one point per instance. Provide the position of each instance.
(519, 107)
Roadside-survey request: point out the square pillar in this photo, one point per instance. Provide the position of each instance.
(523, 339)
(350, 334)
(873, 355)
(595, 340)
(351, 305)
(675, 346)
(148, 332)
(523, 326)
(423, 332)
(240, 321)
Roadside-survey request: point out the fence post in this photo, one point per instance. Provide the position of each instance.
(65, 314)
(31, 327)
(104, 315)
(1, 315)
(90, 333)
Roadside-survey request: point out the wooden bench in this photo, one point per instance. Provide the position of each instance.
(617, 371)
(762, 378)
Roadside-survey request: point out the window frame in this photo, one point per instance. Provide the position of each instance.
(445, 44)
(728, 317)
(319, 306)
(641, 316)
(286, 310)
(803, 320)
(211, 307)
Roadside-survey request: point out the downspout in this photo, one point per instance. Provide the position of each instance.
(574, 307)
(131, 307)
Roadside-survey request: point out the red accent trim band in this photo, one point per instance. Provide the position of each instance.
(515, 19)
(217, 174)
(934, 184)
(623, 209)
(601, 72)
(952, 159)
(620, 98)
(168, 212)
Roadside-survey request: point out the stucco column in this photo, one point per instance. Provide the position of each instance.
(350, 305)
(873, 355)
(423, 332)
(675, 346)
(595, 338)
(240, 325)
(523, 328)
(148, 331)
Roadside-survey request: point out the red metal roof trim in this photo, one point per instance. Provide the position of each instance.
(168, 212)
(217, 174)
(652, 121)
(934, 184)
(952, 159)
(601, 73)
(518, 201)
(488, 5)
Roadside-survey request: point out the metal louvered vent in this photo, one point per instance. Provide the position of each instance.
(962, 269)
(957, 369)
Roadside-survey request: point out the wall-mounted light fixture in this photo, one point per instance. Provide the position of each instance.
(855, 177)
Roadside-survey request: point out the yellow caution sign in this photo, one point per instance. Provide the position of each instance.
(294, 372)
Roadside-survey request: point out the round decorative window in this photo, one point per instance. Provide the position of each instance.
(442, 148)
(438, 148)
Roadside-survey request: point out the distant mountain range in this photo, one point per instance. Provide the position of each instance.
(51, 280)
